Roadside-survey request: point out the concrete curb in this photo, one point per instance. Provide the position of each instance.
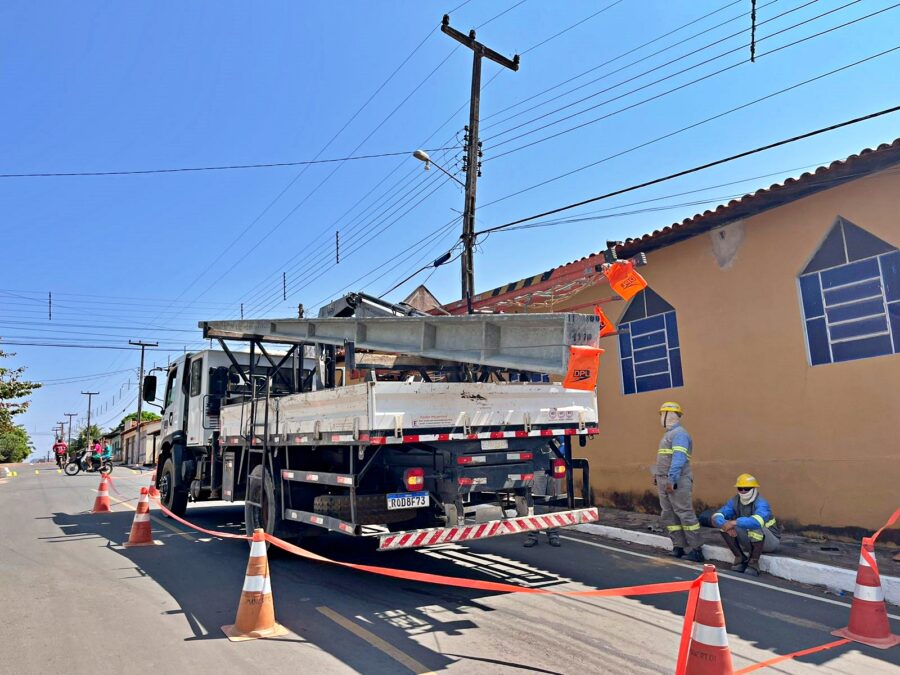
(783, 567)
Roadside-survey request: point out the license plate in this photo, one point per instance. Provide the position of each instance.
(407, 500)
(495, 444)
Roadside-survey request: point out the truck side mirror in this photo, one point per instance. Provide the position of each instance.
(218, 382)
(148, 390)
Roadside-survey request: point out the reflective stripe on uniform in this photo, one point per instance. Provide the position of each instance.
(681, 448)
(665, 451)
(674, 528)
(771, 523)
(755, 535)
(759, 519)
(870, 593)
(691, 528)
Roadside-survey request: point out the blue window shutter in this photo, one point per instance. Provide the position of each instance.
(671, 329)
(811, 292)
(627, 377)
(624, 342)
(817, 334)
(852, 273)
(894, 318)
(890, 275)
(862, 349)
(675, 361)
(653, 382)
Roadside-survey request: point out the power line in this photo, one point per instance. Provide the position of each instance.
(660, 80)
(226, 167)
(702, 167)
(686, 128)
(76, 346)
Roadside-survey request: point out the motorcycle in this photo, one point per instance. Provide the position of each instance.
(61, 461)
(81, 463)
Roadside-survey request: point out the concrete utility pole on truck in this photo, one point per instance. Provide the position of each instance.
(375, 419)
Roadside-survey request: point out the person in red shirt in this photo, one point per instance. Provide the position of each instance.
(61, 450)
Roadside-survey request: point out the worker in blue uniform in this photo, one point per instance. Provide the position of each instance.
(746, 522)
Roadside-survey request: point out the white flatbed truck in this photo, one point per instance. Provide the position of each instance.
(447, 413)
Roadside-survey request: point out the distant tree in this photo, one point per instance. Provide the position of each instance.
(14, 444)
(12, 390)
(146, 416)
(80, 441)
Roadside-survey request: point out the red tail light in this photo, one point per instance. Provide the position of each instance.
(414, 479)
(559, 468)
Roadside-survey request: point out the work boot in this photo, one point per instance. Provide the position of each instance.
(530, 540)
(753, 563)
(740, 560)
(695, 555)
(677, 552)
(554, 540)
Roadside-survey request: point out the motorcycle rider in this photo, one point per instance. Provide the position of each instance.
(96, 455)
(61, 451)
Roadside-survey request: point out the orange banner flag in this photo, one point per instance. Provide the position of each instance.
(606, 326)
(624, 280)
(584, 364)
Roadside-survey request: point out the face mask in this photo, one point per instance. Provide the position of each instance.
(747, 497)
(668, 419)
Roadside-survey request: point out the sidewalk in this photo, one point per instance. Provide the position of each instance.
(832, 564)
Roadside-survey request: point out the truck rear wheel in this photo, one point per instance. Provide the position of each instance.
(261, 490)
(174, 499)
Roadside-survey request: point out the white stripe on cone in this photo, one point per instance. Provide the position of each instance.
(868, 593)
(257, 549)
(710, 592)
(141, 517)
(257, 584)
(863, 562)
(711, 636)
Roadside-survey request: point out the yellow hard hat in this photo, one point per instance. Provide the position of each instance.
(671, 406)
(745, 480)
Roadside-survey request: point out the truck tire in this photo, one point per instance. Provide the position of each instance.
(370, 509)
(260, 489)
(174, 499)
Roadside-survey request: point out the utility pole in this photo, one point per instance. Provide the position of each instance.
(70, 416)
(90, 395)
(473, 149)
(143, 346)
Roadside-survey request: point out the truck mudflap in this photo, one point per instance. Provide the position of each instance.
(493, 528)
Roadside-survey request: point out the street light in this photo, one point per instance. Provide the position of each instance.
(422, 156)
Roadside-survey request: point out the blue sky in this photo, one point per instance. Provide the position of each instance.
(104, 86)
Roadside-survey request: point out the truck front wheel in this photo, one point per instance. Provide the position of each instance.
(173, 498)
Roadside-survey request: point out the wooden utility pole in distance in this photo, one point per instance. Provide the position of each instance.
(473, 149)
(90, 395)
(143, 346)
(70, 416)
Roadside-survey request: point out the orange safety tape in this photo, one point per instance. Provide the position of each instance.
(224, 535)
(779, 659)
(424, 577)
(869, 558)
(687, 628)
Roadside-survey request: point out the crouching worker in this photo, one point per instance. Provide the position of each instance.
(748, 526)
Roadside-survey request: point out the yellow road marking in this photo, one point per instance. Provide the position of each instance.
(375, 641)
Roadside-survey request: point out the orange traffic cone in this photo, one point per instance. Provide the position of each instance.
(140, 527)
(256, 610)
(101, 503)
(868, 613)
(154, 492)
(709, 653)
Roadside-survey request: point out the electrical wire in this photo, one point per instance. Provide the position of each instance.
(707, 165)
(225, 167)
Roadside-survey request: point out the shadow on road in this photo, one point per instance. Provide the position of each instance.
(204, 576)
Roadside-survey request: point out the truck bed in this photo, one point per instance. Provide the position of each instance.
(402, 408)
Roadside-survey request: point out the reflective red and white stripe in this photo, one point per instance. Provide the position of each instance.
(493, 528)
(418, 438)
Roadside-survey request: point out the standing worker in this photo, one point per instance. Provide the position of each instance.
(674, 481)
(747, 521)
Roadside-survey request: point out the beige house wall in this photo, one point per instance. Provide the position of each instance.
(822, 440)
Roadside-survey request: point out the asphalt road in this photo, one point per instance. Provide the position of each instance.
(75, 600)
